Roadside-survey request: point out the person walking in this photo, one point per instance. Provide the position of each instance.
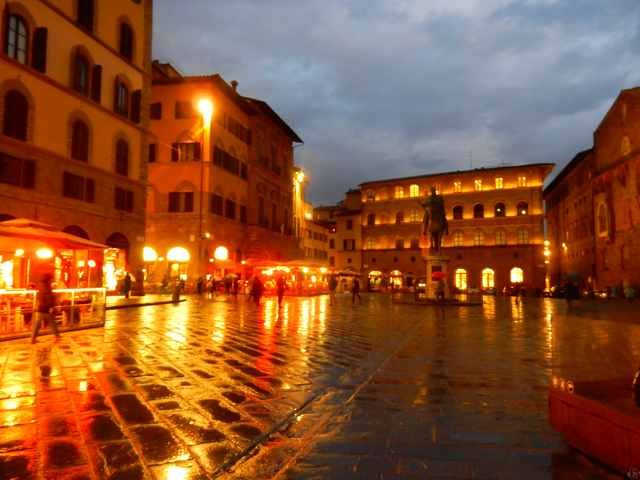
(45, 303)
(355, 291)
(333, 285)
(257, 289)
(126, 285)
(236, 287)
(281, 286)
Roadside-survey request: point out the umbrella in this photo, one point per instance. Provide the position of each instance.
(437, 276)
(29, 233)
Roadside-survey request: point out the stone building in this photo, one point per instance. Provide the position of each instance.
(570, 227)
(495, 236)
(74, 84)
(220, 175)
(593, 206)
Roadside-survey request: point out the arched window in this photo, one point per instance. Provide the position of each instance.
(121, 98)
(17, 36)
(603, 220)
(371, 219)
(122, 158)
(371, 196)
(523, 236)
(16, 115)
(399, 218)
(126, 41)
(488, 278)
(461, 279)
(458, 212)
(414, 215)
(399, 192)
(478, 238)
(516, 275)
(523, 208)
(458, 239)
(415, 243)
(77, 231)
(478, 211)
(501, 237)
(81, 71)
(400, 244)
(500, 210)
(80, 141)
(414, 191)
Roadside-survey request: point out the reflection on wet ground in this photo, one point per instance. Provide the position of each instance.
(223, 388)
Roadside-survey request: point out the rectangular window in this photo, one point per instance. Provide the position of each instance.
(243, 171)
(230, 209)
(152, 152)
(332, 243)
(349, 224)
(174, 201)
(477, 185)
(522, 181)
(457, 187)
(349, 244)
(400, 244)
(155, 111)
(186, 152)
(184, 110)
(188, 201)
(217, 204)
(243, 214)
(499, 183)
(123, 199)
(80, 188)
(17, 171)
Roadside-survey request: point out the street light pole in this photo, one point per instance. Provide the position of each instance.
(205, 106)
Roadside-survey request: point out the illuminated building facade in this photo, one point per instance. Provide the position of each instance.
(601, 189)
(220, 175)
(495, 228)
(74, 88)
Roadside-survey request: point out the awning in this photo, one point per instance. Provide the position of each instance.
(37, 234)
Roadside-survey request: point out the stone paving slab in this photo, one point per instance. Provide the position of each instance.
(223, 388)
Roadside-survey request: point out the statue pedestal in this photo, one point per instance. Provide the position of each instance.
(437, 263)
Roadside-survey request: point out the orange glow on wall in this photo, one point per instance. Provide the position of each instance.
(44, 253)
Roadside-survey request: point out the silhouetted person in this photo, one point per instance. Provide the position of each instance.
(355, 291)
(333, 285)
(126, 285)
(281, 286)
(45, 303)
(236, 287)
(200, 285)
(257, 289)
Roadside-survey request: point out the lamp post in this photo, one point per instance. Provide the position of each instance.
(205, 107)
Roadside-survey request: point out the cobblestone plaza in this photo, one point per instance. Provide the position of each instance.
(222, 388)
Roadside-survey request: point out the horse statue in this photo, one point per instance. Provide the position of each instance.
(434, 221)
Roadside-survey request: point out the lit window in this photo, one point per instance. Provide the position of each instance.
(458, 239)
(488, 278)
(477, 184)
(523, 236)
(517, 275)
(499, 183)
(603, 220)
(457, 186)
(399, 218)
(399, 192)
(478, 238)
(370, 244)
(414, 216)
(414, 191)
(523, 208)
(522, 181)
(461, 279)
(501, 237)
(500, 210)
(370, 196)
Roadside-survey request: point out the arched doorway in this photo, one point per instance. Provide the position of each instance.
(395, 279)
(115, 259)
(488, 279)
(460, 279)
(374, 280)
(517, 275)
(77, 231)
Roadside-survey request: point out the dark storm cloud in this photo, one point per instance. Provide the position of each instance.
(389, 88)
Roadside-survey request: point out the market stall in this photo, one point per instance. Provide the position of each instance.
(303, 277)
(29, 250)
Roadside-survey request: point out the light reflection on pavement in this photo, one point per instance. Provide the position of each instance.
(214, 387)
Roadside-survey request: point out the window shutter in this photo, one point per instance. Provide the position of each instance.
(96, 83)
(116, 83)
(152, 153)
(136, 99)
(174, 152)
(39, 56)
(197, 151)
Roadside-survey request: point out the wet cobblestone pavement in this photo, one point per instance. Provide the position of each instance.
(214, 388)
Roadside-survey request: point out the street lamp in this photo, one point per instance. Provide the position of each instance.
(205, 107)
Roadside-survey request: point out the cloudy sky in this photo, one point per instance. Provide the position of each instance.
(390, 88)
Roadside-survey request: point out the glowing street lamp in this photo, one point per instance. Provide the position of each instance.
(221, 253)
(205, 107)
(149, 255)
(44, 253)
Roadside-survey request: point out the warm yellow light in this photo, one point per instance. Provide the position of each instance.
(221, 253)
(44, 253)
(323, 269)
(174, 472)
(205, 107)
(91, 263)
(207, 235)
(300, 176)
(149, 254)
(80, 263)
(243, 262)
(19, 252)
(305, 269)
(178, 255)
(308, 215)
